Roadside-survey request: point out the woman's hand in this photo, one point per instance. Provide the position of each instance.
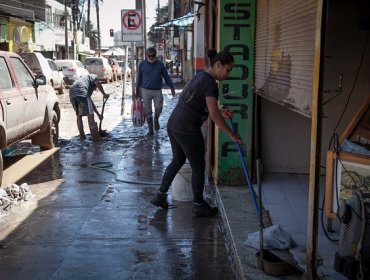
(226, 113)
(236, 137)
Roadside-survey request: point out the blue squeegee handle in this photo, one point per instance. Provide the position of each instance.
(241, 155)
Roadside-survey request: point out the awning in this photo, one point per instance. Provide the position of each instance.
(181, 21)
(12, 10)
(114, 52)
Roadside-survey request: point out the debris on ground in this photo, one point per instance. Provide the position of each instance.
(11, 195)
(274, 237)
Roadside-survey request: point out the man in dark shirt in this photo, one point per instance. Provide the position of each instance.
(149, 85)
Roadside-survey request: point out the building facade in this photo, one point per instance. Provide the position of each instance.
(41, 26)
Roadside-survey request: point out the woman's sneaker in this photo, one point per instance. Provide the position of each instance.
(160, 200)
(203, 210)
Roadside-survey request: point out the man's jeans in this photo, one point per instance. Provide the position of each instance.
(150, 95)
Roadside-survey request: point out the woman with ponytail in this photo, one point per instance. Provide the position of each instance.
(198, 100)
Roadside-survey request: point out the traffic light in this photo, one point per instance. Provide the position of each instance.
(111, 32)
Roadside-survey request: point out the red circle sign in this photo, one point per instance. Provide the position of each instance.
(131, 20)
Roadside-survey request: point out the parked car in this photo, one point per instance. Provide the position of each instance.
(41, 65)
(117, 71)
(72, 70)
(121, 63)
(57, 76)
(100, 67)
(29, 107)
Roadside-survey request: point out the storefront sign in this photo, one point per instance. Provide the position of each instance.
(237, 24)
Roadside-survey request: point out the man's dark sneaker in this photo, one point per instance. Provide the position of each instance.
(160, 200)
(203, 210)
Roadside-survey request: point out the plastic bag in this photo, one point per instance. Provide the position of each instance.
(274, 237)
(137, 113)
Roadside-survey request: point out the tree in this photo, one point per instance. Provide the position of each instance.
(91, 33)
(93, 36)
(97, 3)
(88, 10)
(77, 7)
(155, 35)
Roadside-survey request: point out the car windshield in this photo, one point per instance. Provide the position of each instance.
(52, 65)
(93, 62)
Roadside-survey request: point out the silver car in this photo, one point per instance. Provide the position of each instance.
(100, 67)
(41, 65)
(121, 63)
(72, 70)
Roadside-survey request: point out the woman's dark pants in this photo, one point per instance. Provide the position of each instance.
(184, 147)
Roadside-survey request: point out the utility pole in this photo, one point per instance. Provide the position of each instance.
(144, 32)
(66, 30)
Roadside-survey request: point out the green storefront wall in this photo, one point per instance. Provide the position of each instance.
(237, 26)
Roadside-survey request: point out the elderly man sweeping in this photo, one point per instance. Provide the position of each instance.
(80, 97)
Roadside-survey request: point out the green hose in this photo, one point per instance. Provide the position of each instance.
(103, 165)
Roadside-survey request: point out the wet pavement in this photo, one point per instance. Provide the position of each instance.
(90, 217)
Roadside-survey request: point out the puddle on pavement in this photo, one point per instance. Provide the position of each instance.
(143, 257)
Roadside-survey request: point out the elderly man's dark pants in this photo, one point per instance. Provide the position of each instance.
(184, 147)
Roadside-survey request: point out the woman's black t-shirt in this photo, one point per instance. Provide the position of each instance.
(191, 109)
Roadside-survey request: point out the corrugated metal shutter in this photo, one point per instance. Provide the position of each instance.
(285, 48)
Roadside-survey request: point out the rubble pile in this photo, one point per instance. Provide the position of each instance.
(11, 195)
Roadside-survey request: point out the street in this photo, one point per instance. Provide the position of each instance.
(90, 217)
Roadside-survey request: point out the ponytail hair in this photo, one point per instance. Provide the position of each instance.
(225, 57)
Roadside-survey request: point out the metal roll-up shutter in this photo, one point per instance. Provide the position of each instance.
(284, 55)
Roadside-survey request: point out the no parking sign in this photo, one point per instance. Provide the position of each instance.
(132, 25)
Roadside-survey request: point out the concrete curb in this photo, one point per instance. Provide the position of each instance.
(236, 262)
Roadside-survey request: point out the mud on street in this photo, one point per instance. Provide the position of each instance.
(90, 217)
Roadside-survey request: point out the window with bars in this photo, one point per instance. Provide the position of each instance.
(48, 14)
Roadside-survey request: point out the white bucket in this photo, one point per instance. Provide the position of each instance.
(181, 185)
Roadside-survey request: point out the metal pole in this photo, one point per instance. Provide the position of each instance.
(144, 31)
(66, 30)
(124, 81)
(133, 69)
(315, 154)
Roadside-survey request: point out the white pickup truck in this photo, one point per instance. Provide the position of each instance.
(29, 107)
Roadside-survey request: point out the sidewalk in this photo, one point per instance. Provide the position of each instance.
(84, 223)
(285, 198)
(239, 218)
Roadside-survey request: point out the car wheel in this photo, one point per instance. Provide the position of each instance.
(49, 138)
(1, 168)
(54, 128)
(61, 88)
